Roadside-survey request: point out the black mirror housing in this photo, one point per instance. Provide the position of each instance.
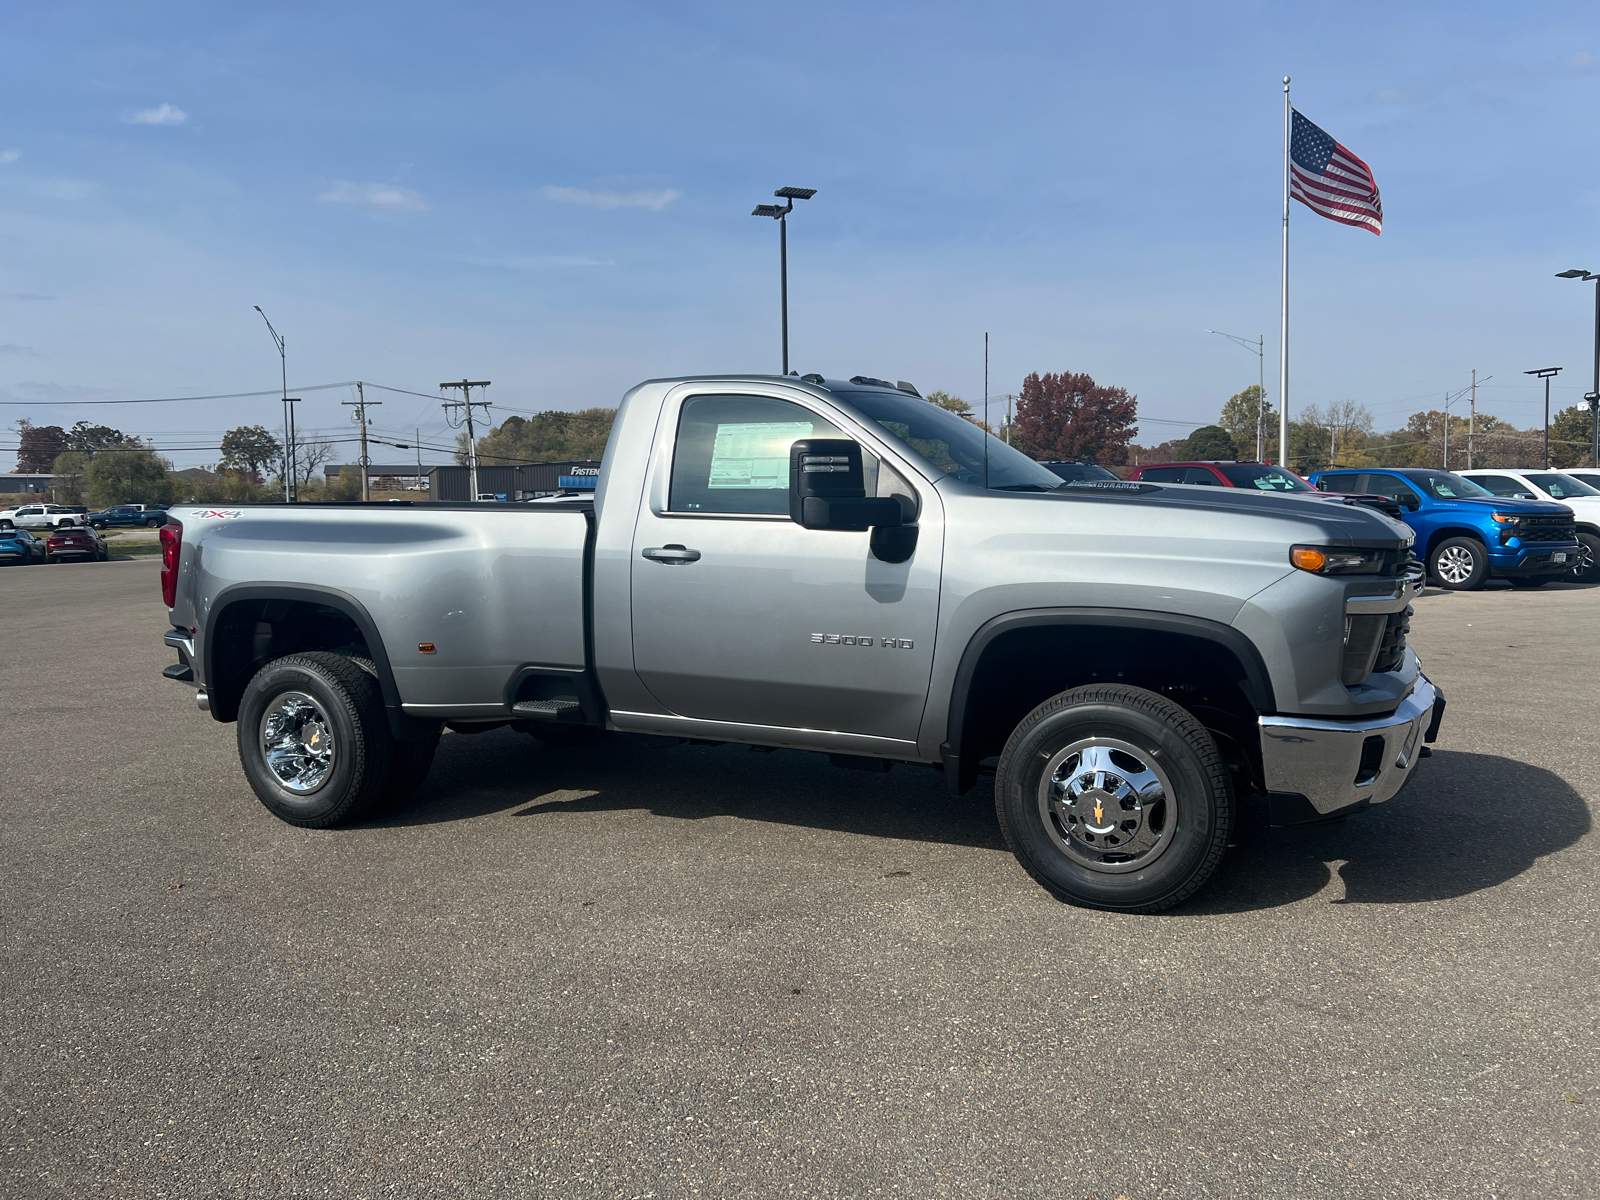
(827, 488)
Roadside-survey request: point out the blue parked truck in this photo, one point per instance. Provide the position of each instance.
(1466, 534)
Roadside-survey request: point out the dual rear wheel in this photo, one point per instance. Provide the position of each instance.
(315, 743)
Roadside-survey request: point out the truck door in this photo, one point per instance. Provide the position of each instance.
(741, 615)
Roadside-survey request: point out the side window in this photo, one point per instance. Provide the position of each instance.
(1201, 476)
(732, 454)
(1162, 475)
(1344, 483)
(1389, 485)
(1500, 485)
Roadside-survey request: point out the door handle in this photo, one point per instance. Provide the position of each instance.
(671, 555)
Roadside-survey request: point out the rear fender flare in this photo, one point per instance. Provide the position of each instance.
(332, 598)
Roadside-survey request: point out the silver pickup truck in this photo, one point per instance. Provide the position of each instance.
(837, 566)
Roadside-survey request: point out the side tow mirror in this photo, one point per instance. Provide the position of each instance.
(1410, 503)
(827, 490)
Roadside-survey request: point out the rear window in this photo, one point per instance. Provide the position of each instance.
(1266, 479)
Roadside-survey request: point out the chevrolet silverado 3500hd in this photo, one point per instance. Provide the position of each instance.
(837, 566)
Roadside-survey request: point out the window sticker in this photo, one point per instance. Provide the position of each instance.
(755, 454)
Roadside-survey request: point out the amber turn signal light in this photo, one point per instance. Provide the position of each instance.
(424, 647)
(1308, 558)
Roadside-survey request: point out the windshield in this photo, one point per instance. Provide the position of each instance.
(1562, 486)
(1442, 485)
(1267, 479)
(1073, 472)
(952, 444)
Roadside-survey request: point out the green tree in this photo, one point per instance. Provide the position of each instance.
(1240, 415)
(1211, 441)
(544, 437)
(251, 448)
(1571, 437)
(86, 439)
(945, 400)
(127, 477)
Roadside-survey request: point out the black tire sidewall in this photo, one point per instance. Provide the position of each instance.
(1204, 808)
(1592, 544)
(347, 697)
(1480, 569)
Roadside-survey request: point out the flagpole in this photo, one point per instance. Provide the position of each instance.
(1283, 302)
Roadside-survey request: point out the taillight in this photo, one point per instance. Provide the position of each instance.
(171, 546)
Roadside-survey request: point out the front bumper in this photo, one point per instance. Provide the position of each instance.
(1534, 560)
(1339, 764)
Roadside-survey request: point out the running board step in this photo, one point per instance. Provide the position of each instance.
(564, 710)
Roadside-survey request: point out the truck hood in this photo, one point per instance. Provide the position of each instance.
(1478, 504)
(1348, 524)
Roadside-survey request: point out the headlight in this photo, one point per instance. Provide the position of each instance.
(1508, 518)
(1321, 560)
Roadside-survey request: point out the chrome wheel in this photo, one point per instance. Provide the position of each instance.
(1107, 805)
(1455, 564)
(297, 743)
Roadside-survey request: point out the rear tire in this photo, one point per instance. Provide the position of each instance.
(314, 739)
(1459, 564)
(1113, 797)
(152, 524)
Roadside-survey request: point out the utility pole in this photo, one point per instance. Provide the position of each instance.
(1472, 418)
(360, 405)
(467, 403)
(418, 445)
(1447, 431)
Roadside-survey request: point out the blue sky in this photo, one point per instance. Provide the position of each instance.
(557, 198)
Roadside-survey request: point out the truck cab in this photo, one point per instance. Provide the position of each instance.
(1465, 534)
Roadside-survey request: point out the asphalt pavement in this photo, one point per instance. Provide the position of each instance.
(629, 970)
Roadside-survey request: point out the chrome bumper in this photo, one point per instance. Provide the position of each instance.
(1330, 762)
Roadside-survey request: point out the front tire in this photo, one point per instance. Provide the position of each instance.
(1459, 564)
(1587, 568)
(314, 739)
(1113, 797)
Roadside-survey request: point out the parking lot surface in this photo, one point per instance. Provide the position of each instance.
(631, 970)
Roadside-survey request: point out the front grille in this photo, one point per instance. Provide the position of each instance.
(1555, 527)
(1397, 562)
(1392, 649)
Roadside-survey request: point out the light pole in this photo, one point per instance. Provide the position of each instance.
(1259, 349)
(1593, 397)
(1546, 373)
(288, 413)
(781, 213)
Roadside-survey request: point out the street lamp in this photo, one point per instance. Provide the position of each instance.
(288, 413)
(1545, 373)
(779, 213)
(1259, 349)
(1593, 397)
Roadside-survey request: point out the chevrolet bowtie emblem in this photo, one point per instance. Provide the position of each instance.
(1099, 813)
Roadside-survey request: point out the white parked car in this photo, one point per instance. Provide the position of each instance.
(40, 516)
(1564, 487)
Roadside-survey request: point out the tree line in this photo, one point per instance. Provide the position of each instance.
(1343, 434)
(100, 466)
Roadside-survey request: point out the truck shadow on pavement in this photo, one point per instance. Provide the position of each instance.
(1466, 822)
(493, 772)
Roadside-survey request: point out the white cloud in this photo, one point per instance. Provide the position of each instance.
(161, 114)
(654, 199)
(19, 351)
(7, 157)
(379, 197)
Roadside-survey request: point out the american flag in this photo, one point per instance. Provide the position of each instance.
(1328, 179)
